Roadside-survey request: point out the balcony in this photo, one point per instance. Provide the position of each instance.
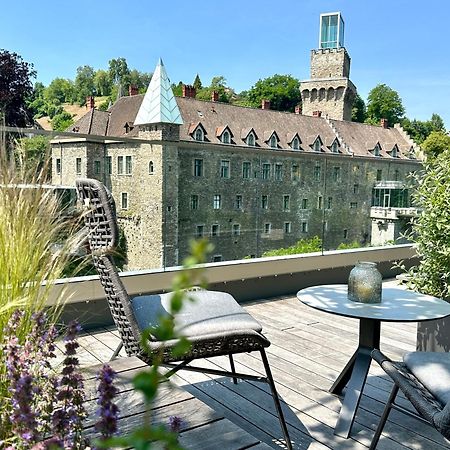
(309, 349)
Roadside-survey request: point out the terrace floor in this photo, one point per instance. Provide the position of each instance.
(309, 349)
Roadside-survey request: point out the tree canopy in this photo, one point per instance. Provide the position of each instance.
(283, 92)
(419, 130)
(16, 88)
(359, 112)
(384, 103)
(436, 143)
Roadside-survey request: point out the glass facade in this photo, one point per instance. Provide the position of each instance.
(331, 31)
(390, 198)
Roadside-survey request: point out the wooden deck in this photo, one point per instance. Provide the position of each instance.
(308, 351)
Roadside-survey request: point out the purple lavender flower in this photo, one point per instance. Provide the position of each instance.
(108, 412)
(175, 423)
(67, 420)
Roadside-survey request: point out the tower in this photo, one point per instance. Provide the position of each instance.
(329, 89)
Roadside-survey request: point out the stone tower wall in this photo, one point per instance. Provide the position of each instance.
(330, 63)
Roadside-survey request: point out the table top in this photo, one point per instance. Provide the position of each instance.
(397, 304)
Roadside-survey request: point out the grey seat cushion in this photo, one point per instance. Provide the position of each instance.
(210, 313)
(432, 369)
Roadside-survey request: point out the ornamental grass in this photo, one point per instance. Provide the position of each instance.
(30, 262)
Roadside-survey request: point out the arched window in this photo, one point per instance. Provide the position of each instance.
(295, 144)
(335, 147)
(273, 141)
(151, 168)
(394, 153)
(199, 136)
(226, 137)
(376, 150)
(251, 140)
(317, 145)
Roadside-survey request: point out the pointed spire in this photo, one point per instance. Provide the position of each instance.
(159, 104)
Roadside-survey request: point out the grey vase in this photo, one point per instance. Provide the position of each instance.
(364, 283)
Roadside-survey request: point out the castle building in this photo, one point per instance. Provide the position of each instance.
(250, 179)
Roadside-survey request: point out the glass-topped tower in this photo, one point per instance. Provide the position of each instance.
(329, 91)
(331, 30)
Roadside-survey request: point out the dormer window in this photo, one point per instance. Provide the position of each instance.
(394, 152)
(317, 146)
(273, 141)
(412, 153)
(128, 127)
(199, 135)
(251, 140)
(335, 146)
(377, 150)
(226, 137)
(295, 143)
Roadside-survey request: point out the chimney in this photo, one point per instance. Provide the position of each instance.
(90, 102)
(189, 91)
(133, 90)
(317, 113)
(214, 96)
(384, 123)
(298, 109)
(265, 104)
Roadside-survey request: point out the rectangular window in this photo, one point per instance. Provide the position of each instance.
(58, 166)
(379, 175)
(120, 165)
(217, 201)
(224, 169)
(286, 202)
(396, 175)
(355, 188)
(194, 201)
(246, 169)
(305, 203)
(267, 228)
(238, 203)
(109, 165)
(236, 229)
(329, 202)
(278, 172)
(215, 230)
(78, 166)
(217, 258)
(97, 167)
(124, 200)
(304, 227)
(198, 167)
(317, 173)
(319, 202)
(200, 231)
(295, 175)
(345, 233)
(265, 171)
(287, 227)
(128, 165)
(264, 202)
(353, 205)
(336, 174)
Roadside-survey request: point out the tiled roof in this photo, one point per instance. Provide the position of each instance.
(359, 139)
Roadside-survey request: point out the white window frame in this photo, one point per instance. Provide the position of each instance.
(217, 201)
(124, 203)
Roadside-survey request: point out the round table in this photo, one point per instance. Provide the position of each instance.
(397, 305)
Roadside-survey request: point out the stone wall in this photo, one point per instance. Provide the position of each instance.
(330, 63)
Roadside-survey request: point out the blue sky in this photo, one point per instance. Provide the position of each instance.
(402, 43)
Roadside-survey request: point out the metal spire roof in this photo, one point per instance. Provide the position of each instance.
(159, 104)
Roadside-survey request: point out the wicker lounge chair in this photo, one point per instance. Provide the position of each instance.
(215, 324)
(424, 378)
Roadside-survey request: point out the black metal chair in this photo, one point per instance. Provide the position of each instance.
(424, 378)
(214, 323)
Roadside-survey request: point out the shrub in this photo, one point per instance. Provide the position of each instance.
(311, 245)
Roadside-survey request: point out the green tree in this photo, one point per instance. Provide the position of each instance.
(359, 112)
(177, 89)
(62, 121)
(197, 83)
(119, 73)
(16, 88)
(419, 130)
(282, 91)
(102, 83)
(84, 83)
(139, 79)
(384, 103)
(60, 90)
(33, 155)
(437, 124)
(436, 143)
(218, 84)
